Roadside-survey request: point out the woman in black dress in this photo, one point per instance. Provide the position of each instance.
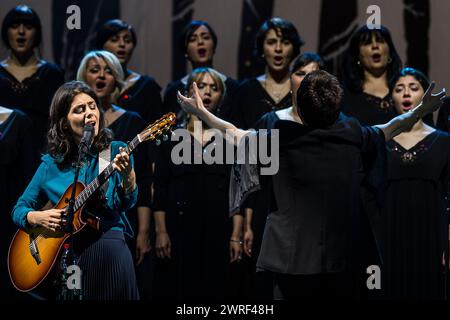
(27, 82)
(15, 171)
(105, 261)
(277, 44)
(102, 71)
(414, 215)
(370, 63)
(199, 41)
(191, 202)
(139, 93)
(440, 119)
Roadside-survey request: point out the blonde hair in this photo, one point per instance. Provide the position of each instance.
(198, 74)
(112, 62)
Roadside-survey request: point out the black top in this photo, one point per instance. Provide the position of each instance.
(144, 97)
(253, 102)
(443, 119)
(316, 227)
(16, 168)
(125, 128)
(16, 163)
(195, 199)
(33, 96)
(260, 201)
(368, 109)
(171, 104)
(415, 219)
(267, 121)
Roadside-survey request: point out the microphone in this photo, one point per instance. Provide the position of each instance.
(85, 141)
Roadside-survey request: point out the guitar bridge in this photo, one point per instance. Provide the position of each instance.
(34, 249)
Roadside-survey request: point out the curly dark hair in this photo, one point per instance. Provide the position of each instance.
(305, 59)
(61, 143)
(319, 99)
(353, 74)
(283, 28)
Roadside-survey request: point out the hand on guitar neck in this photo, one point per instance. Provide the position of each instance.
(122, 164)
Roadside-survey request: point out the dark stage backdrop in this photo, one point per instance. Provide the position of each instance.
(419, 29)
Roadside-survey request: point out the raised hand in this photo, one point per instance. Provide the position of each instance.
(404, 122)
(193, 105)
(430, 102)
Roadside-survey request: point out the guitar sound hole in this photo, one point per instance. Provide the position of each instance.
(66, 200)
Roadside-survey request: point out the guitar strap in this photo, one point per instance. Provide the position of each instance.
(104, 158)
(103, 161)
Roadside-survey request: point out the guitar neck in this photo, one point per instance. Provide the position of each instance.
(102, 177)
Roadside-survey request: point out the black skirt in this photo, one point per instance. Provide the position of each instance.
(107, 269)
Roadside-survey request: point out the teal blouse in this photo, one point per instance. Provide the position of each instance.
(49, 183)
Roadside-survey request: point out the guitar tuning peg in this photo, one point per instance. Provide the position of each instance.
(158, 142)
(165, 137)
(172, 133)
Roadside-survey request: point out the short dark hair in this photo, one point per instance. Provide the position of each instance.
(109, 29)
(22, 15)
(61, 144)
(319, 99)
(305, 59)
(353, 74)
(189, 30)
(287, 30)
(418, 75)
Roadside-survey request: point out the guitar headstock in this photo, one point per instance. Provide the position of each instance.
(159, 128)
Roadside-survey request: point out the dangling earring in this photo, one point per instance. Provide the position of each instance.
(358, 63)
(389, 60)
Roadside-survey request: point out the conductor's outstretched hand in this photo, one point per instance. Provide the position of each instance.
(430, 102)
(193, 105)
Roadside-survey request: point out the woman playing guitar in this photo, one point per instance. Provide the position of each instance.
(106, 263)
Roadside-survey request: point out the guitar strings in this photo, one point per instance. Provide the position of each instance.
(39, 236)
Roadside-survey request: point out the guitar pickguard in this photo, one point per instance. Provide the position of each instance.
(34, 250)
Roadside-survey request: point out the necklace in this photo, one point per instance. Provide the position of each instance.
(276, 91)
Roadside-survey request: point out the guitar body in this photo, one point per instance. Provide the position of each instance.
(33, 253)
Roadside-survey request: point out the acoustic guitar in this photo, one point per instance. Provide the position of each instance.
(33, 252)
